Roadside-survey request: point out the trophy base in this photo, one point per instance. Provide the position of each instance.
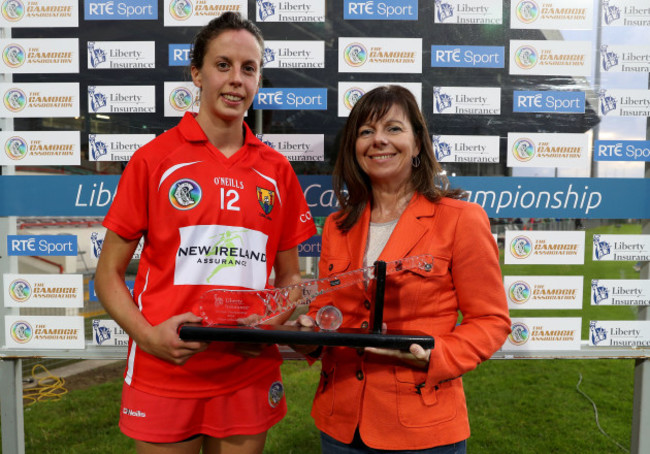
(294, 335)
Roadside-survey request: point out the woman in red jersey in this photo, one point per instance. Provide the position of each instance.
(193, 195)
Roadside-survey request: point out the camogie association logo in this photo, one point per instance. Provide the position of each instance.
(180, 9)
(181, 99)
(276, 391)
(355, 54)
(521, 247)
(519, 292)
(13, 10)
(185, 194)
(526, 57)
(520, 334)
(600, 293)
(351, 96)
(21, 332)
(16, 148)
(523, 149)
(20, 290)
(15, 100)
(527, 11)
(13, 56)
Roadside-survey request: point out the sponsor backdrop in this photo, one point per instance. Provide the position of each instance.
(519, 96)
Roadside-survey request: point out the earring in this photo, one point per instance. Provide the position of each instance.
(415, 161)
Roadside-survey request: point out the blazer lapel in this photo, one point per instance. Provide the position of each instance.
(412, 226)
(357, 238)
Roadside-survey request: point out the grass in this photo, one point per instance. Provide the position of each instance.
(515, 406)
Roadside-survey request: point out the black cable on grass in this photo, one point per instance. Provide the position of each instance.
(593, 404)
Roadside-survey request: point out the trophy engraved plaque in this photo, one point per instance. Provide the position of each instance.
(247, 315)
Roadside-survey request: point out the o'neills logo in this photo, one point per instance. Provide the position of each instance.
(544, 248)
(13, 10)
(136, 413)
(16, 148)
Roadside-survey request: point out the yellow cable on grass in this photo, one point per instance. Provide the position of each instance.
(49, 387)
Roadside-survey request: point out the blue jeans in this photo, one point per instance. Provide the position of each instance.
(330, 445)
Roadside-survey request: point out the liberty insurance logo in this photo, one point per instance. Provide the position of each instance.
(443, 10)
(521, 247)
(597, 333)
(180, 9)
(442, 100)
(526, 57)
(13, 10)
(13, 56)
(600, 292)
(523, 149)
(519, 292)
(16, 148)
(266, 9)
(355, 54)
(527, 11)
(520, 334)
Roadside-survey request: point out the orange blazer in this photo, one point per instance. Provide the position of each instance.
(396, 406)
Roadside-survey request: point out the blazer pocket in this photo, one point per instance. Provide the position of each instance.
(335, 265)
(324, 398)
(420, 406)
(440, 268)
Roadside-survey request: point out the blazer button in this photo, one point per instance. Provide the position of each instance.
(331, 267)
(364, 325)
(366, 304)
(359, 375)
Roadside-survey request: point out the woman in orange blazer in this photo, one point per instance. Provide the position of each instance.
(395, 204)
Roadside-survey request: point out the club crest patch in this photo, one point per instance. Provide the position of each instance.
(276, 391)
(266, 199)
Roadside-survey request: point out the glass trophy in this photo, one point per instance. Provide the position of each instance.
(249, 315)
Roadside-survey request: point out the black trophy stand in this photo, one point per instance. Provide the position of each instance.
(373, 336)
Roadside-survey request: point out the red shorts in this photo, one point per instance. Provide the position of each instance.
(251, 410)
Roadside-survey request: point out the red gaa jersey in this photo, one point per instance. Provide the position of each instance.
(208, 222)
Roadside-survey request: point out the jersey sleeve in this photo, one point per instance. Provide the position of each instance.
(127, 215)
(298, 224)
